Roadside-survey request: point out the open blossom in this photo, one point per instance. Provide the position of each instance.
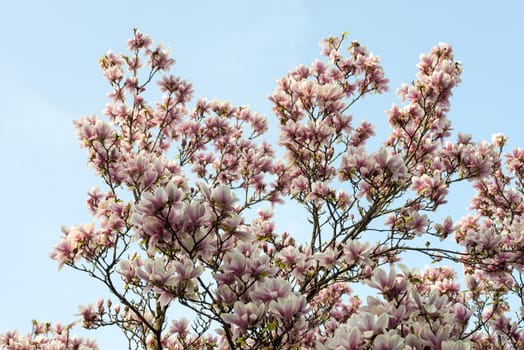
(244, 315)
(271, 289)
(346, 339)
(389, 284)
(65, 252)
(388, 341)
(288, 307)
(369, 324)
(433, 188)
(390, 163)
(88, 315)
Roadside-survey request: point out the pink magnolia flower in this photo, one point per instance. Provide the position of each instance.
(139, 41)
(346, 339)
(288, 307)
(388, 341)
(244, 315)
(64, 252)
(271, 289)
(369, 324)
(389, 284)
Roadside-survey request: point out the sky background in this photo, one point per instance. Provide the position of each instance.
(231, 50)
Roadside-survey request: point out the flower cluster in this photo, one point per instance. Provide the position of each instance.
(45, 336)
(173, 225)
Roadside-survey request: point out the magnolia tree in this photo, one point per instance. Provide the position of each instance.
(183, 224)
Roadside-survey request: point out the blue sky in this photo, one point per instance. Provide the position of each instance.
(229, 50)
